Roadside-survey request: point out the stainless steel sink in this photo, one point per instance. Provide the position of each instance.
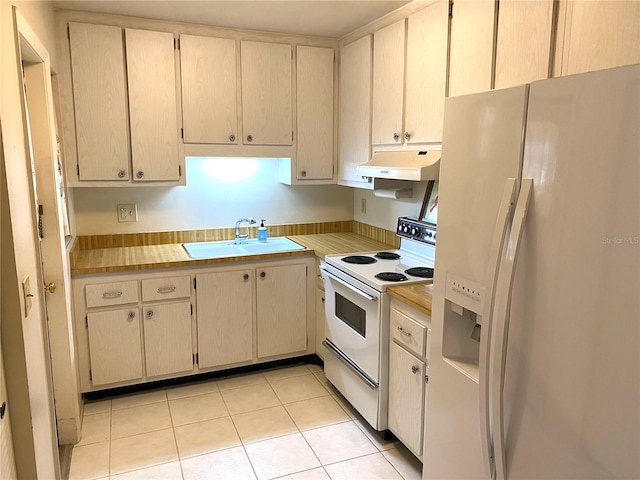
(227, 248)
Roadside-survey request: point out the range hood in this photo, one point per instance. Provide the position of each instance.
(404, 165)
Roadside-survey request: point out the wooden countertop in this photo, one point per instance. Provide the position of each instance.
(416, 295)
(121, 259)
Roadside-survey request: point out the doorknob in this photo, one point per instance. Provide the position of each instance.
(51, 288)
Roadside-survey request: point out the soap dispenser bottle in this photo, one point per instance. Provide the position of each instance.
(262, 232)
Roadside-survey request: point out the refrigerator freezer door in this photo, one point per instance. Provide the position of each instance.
(482, 148)
(572, 380)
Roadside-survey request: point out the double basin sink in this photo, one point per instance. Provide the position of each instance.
(228, 248)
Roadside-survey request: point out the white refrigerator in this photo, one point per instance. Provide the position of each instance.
(535, 349)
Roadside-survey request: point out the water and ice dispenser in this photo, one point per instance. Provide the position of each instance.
(464, 306)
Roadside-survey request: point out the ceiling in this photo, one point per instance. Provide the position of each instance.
(325, 18)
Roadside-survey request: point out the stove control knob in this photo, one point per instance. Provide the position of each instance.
(415, 231)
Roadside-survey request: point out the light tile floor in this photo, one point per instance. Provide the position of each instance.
(282, 423)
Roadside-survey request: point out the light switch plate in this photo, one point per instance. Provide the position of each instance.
(128, 212)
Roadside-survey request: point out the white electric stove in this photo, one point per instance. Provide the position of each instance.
(357, 315)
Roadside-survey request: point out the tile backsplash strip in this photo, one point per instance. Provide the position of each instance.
(91, 242)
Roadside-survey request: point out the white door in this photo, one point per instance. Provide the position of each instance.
(209, 90)
(151, 77)
(267, 117)
(167, 338)
(354, 117)
(281, 301)
(225, 318)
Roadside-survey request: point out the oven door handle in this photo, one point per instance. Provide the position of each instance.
(349, 363)
(351, 287)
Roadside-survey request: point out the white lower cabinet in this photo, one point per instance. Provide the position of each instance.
(408, 374)
(281, 299)
(139, 327)
(114, 345)
(167, 338)
(225, 317)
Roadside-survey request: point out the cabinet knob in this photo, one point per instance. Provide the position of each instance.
(303, 173)
(249, 138)
(131, 315)
(122, 174)
(140, 174)
(322, 300)
(232, 138)
(396, 137)
(149, 313)
(245, 277)
(263, 274)
(407, 136)
(414, 369)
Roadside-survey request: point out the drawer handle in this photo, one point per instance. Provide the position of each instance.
(414, 369)
(167, 289)
(404, 332)
(111, 295)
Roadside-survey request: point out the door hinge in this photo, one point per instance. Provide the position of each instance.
(292, 135)
(195, 358)
(191, 306)
(78, 169)
(182, 133)
(86, 321)
(179, 170)
(68, 32)
(451, 8)
(90, 375)
(194, 283)
(3, 408)
(307, 341)
(40, 227)
(426, 379)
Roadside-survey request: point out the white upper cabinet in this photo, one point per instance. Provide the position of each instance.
(314, 112)
(426, 76)
(151, 76)
(388, 84)
(209, 89)
(600, 35)
(100, 101)
(354, 114)
(525, 42)
(125, 106)
(472, 46)
(266, 93)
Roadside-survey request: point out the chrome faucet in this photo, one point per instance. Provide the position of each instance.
(244, 236)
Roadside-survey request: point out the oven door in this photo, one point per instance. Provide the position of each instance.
(353, 312)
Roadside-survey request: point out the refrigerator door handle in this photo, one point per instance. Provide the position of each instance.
(501, 324)
(497, 245)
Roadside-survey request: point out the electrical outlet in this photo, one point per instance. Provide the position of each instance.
(363, 205)
(128, 212)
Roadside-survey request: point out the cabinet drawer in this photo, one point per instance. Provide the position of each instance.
(116, 293)
(166, 288)
(408, 332)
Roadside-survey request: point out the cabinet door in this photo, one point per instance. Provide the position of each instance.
(100, 102)
(152, 105)
(354, 117)
(266, 93)
(388, 84)
(314, 107)
(524, 45)
(406, 397)
(426, 77)
(209, 91)
(471, 50)
(601, 35)
(115, 349)
(225, 318)
(167, 338)
(281, 294)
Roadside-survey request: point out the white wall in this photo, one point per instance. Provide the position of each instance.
(384, 212)
(208, 202)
